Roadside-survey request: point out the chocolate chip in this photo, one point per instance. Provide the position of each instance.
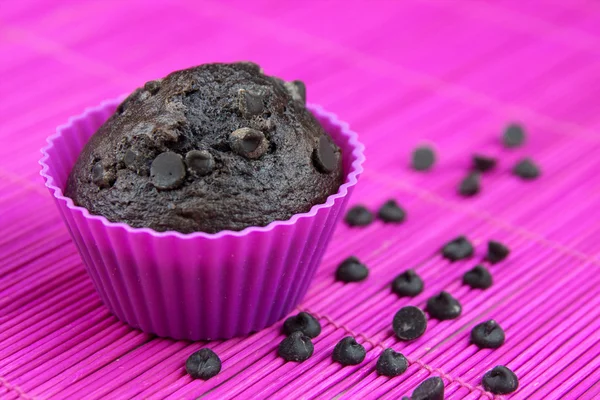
(483, 163)
(358, 216)
(457, 249)
(102, 178)
(199, 162)
(153, 86)
(496, 252)
(390, 211)
(470, 185)
(349, 352)
(500, 380)
(423, 158)
(302, 322)
(443, 307)
(526, 169)
(478, 278)
(324, 157)
(391, 363)
(430, 389)
(409, 323)
(167, 170)
(487, 335)
(203, 364)
(250, 103)
(513, 136)
(296, 89)
(351, 270)
(296, 347)
(407, 284)
(248, 142)
(130, 158)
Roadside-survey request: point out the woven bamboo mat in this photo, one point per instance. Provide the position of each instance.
(447, 73)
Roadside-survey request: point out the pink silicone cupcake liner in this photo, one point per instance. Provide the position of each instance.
(198, 286)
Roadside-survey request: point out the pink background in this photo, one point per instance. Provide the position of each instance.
(449, 73)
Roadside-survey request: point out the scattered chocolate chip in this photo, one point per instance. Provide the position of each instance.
(296, 89)
(102, 178)
(296, 347)
(203, 364)
(483, 163)
(526, 169)
(487, 335)
(430, 389)
(500, 380)
(458, 249)
(409, 323)
(391, 363)
(250, 103)
(302, 322)
(423, 158)
(496, 252)
(443, 307)
(358, 216)
(130, 158)
(513, 136)
(324, 157)
(407, 284)
(349, 352)
(390, 211)
(470, 185)
(167, 170)
(248, 142)
(199, 162)
(153, 86)
(351, 270)
(478, 278)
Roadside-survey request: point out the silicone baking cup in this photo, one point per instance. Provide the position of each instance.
(198, 285)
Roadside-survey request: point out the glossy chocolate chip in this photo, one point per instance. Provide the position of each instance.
(167, 171)
(514, 136)
(500, 380)
(199, 162)
(296, 89)
(423, 158)
(391, 363)
(391, 212)
(409, 323)
(153, 86)
(407, 284)
(526, 169)
(203, 364)
(430, 389)
(478, 278)
(470, 185)
(250, 103)
(102, 178)
(496, 252)
(249, 143)
(483, 163)
(130, 158)
(358, 216)
(324, 157)
(349, 352)
(487, 335)
(296, 347)
(351, 270)
(443, 307)
(302, 322)
(458, 249)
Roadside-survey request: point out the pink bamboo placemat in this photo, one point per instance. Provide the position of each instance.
(447, 73)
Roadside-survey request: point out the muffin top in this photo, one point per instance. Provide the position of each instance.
(210, 148)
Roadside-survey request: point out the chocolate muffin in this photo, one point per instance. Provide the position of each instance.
(210, 148)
